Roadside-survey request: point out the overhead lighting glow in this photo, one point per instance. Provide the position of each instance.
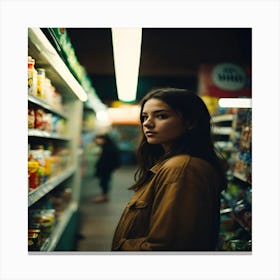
(128, 114)
(235, 102)
(103, 118)
(127, 51)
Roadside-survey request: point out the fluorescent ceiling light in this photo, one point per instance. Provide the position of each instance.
(235, 102)
(127, 51)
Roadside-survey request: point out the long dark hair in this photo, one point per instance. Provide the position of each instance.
(108, 142)
(196, 141)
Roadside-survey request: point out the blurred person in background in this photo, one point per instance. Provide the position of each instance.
(176, 204)
(109, 160)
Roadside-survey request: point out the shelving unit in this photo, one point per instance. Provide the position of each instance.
(236, 201)
(68, 174)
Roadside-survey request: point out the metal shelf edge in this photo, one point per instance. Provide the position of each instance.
(45, 105)
(42, 190)
(64, 219)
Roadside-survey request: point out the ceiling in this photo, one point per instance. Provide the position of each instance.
(168, 55)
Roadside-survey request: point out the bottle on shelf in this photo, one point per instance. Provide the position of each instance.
(41, 76)
(32, 77)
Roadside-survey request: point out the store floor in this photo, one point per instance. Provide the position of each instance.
(97, 221)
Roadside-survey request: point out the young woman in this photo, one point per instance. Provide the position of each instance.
(176, 205)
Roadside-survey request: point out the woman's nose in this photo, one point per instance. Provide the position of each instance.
(148, 123)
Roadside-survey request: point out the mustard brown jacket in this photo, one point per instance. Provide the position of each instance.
(177, 210)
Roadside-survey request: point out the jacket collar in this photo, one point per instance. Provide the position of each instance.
(154, 169)
(157, 166)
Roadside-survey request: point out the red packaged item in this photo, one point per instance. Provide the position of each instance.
(39, 119)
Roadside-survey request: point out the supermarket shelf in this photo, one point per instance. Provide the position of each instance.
(42, 103)
(56, 70)
(223, 145)
(241, 177)
(73, 95)
(222, 130)
(226, 210)
(222, 118)
(51, 242)
(43, 189)
(46, 134)
(242, 225)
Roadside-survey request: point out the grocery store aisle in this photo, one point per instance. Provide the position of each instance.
(98, 221)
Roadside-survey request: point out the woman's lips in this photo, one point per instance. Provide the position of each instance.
(150, 134)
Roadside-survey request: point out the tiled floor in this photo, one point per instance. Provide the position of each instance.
(98, 221)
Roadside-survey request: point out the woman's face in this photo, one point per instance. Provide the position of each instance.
(161, 124)
(99, 141)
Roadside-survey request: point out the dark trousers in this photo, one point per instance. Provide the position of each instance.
(104, 182)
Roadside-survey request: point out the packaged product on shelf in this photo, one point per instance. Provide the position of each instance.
(41, 75)
(55, 123)
(45, 218)
(32, 77)
(34, 237)
(55, 120)
(55, 164)
(31, 118)
(58, 203)
(34, 240)
(58, 125)
(246, 138)
(60, 199)
(38, 155)
(242, 211)
(47, 120)
(39, 119)
(234, 238)
(64, 155)
(67, 194)
(50, 146)
(242, 165)
(47, 90)
(51, 164)
(62, 127)
(48, 164)
(47, 221)
(57, 100)
(33, 167)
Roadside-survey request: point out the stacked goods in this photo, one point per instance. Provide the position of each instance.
(43, 120)
(235, 143)
(43, 219)
(40, 85)
(32, 77)
(236, 216)
(241, 139)
(44, 163)
(40, 226)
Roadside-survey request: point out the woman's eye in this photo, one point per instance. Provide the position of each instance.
(161, 117)
(143, 118)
